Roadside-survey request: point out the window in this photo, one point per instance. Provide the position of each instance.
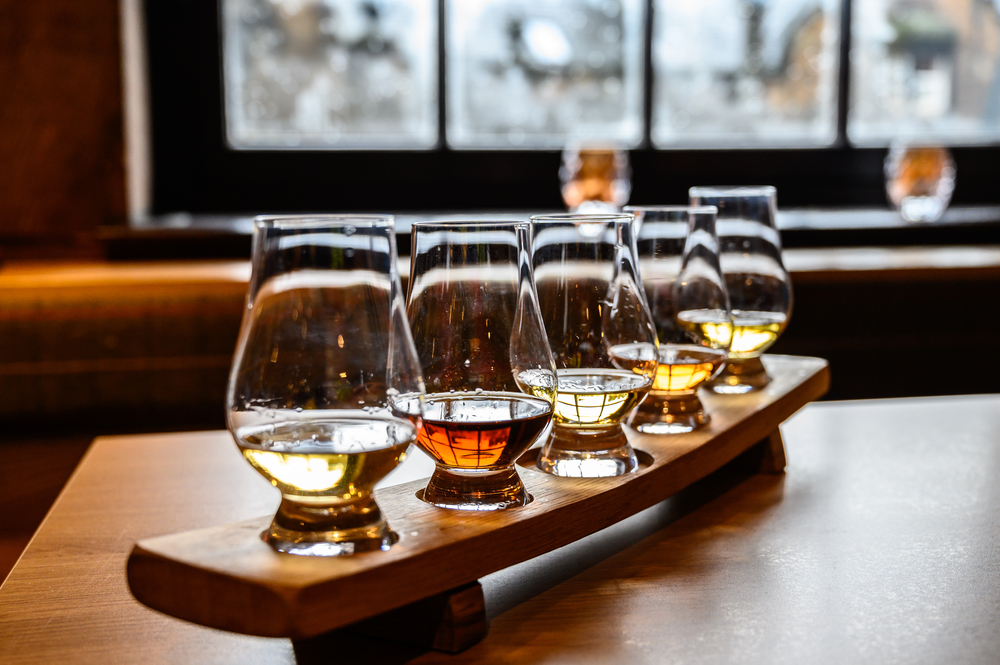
(337, 73)
(540, 73)
(758, 73)
(417, 105)
(928, 69)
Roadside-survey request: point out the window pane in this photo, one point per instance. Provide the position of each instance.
(540, 73)
(730, 73)
(929, 69)
(330, 73)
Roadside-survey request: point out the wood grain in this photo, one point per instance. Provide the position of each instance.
(150, 342)
(876, 546)
(61, 137)
(879, 545)
(113, 346)
(184, 574)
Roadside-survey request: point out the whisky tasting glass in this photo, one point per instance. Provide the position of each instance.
(595, 179)
(490, 376)
(323, 356)
(759, 288)
(601, 334)
(919, 180)
(679, 264)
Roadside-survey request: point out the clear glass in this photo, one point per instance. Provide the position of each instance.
(323, 352)
(595, 178)
(540, 73)
(919, 180)
(759, 288)
(601, 334)
(745, 72)
(927, 71)
(679, 264)
(490, 375)
(330, 74)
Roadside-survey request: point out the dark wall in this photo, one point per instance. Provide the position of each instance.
(61, 152)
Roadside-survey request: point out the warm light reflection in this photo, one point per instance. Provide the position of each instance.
(310, 473)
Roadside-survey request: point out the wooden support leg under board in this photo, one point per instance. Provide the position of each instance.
(774, 453)
(452, 621)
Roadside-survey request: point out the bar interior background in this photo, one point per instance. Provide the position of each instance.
(124, 199)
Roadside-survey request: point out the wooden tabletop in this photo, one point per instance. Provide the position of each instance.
(880, 544)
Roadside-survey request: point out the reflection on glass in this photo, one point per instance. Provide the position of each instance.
(927, 68)
(759, 71)
(601, 334)
(330, 73)
(481, 342)
(679, 262)
(759, 287)
(324, 347)
(533, 73)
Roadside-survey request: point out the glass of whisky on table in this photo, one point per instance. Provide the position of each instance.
(679, 263)
(491, 380)
(759, 288)
(601, 334)
(324, 354)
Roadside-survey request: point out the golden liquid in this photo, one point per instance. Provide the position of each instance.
(749, 335)
(713, 326)
(332, 459)
(754, 332)
(639, 357)
(597, 397)
(684, 367)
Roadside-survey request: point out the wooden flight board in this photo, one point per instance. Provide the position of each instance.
(226, 577)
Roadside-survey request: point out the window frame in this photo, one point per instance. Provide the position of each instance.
(195, 170)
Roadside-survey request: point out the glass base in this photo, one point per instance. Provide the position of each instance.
(595, 454)
(740, 376)
(662, 413)
(475, 490)
(329, 530)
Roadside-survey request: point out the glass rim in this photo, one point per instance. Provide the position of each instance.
(583, 217)
(739, 190)
(324, 220)
(697, 210)
(459, 223)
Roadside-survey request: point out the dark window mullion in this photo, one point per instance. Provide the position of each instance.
(647, 79)
(844, 75)
(442, 91)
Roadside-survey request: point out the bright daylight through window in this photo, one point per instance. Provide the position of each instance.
(928, 69)
(754, 72)
(331, 73)
(541, 74)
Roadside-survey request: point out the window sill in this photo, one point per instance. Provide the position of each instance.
(185, 236)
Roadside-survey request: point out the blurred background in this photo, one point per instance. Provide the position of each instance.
(138, 138)
(119, 112)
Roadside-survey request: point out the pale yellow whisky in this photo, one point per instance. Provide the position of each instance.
(595, 398)
(337, 458)
(755, 332)
(748, 336)
(683, 367)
